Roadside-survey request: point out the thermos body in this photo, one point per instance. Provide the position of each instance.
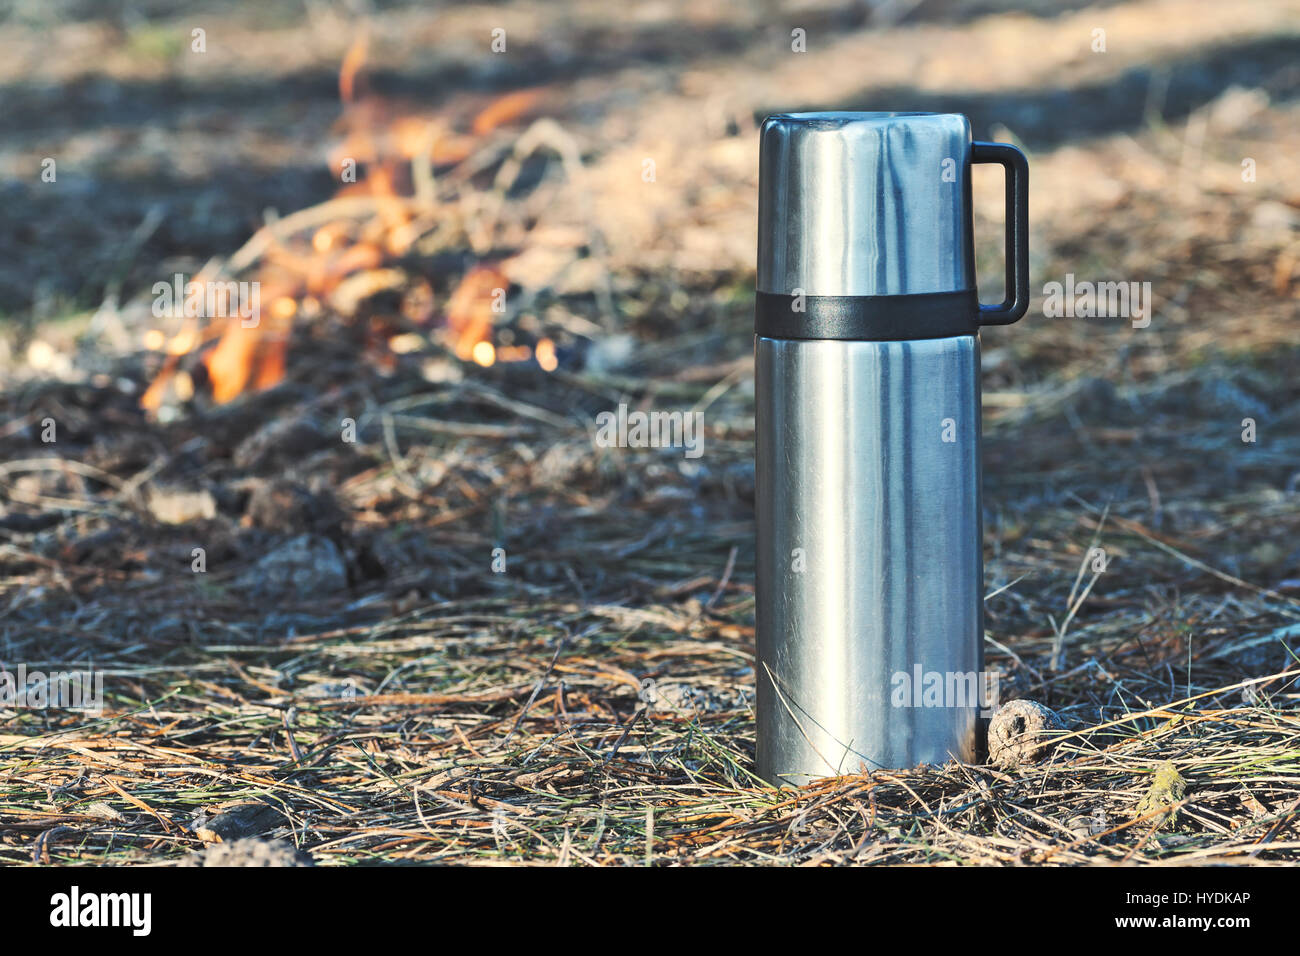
(868, 541)
(869, 586)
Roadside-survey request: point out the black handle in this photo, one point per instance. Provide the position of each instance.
(1016, 170)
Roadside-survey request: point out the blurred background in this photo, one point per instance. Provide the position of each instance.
(474, 227)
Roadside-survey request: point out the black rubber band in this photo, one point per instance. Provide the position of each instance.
(867, 318)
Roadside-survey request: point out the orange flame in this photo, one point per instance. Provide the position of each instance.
(390, 144)
(470, 311)
(507, 109)
(230, 364)
(353, 61)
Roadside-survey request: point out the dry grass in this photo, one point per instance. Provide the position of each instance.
(441, 712)
(495, 731)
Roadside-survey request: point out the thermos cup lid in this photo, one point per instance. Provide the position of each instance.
(865, 231)
(865, 204)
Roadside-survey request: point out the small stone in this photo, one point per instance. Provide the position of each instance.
(249, 851)
(307, 566)
(237, 822)
(282, 441)
(610, 354)
(1088, 825)
(286, 507)
(1022, 732)
(174, 506)
(1236, 107)
(551, 777)
(1168, 787)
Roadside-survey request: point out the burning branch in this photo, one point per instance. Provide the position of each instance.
(340, 251)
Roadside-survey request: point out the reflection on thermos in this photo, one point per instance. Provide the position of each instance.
(869, 574)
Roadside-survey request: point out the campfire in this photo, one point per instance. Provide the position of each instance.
(355, 248)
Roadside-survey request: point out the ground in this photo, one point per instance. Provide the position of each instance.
(348, 664)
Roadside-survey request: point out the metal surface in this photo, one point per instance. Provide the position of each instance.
(865, 204)
(854, 474)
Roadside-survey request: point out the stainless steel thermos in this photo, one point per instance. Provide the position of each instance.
(867, 352)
